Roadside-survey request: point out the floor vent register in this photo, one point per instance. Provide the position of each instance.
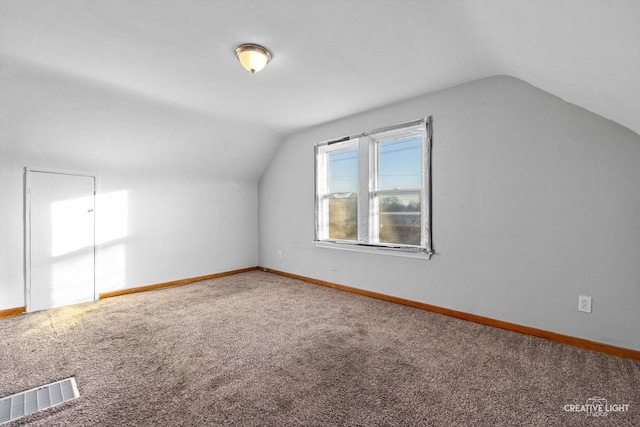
(37, 399)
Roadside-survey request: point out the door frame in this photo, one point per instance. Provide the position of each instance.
(28, 170)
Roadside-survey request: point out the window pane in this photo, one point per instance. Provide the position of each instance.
(343, 222)
(342, 168)
(400, 163)
(399, 220)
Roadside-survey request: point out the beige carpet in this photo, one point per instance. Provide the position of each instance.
(259, 349)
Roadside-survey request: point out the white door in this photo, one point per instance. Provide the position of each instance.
(61, 239)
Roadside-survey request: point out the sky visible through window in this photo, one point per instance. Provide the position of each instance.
(400, 166)
(343, 171)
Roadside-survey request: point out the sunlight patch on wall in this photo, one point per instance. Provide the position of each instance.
(71, 216)
(69, 280)
(72, 242)
(113, 213)
(111, 271)
(111, 226)
(70, 221)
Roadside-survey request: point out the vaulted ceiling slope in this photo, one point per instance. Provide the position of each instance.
(330, 59)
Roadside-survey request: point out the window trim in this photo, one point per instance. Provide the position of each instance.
(367, 191)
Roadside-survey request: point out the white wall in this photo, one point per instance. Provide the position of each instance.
(535, 201)
(180, 180)
(167, 227)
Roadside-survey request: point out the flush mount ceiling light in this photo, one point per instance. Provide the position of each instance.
(253, 57)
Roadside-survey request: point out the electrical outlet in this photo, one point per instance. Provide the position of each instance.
(279, 254)
(584, 303)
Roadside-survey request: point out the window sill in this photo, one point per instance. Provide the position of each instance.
(380, 250)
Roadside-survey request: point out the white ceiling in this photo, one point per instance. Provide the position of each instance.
(172, 61)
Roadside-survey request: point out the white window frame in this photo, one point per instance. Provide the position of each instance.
(367, 143)
(322, 201)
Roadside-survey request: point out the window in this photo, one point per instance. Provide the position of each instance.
(373, 190)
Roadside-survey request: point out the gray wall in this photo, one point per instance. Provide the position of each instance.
(535, 201)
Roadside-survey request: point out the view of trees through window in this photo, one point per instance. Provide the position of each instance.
(343, 218)
(399, 177)
(399, 220)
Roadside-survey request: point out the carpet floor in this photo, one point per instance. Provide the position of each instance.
(257, 349)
